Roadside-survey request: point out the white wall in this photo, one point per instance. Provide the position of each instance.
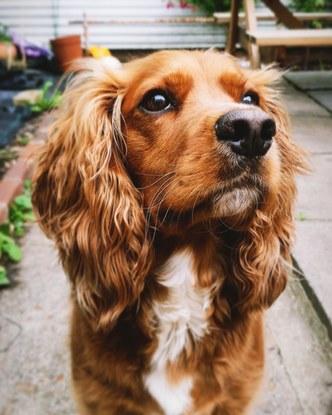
(41, 20)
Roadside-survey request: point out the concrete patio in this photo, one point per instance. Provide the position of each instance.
(34, 361)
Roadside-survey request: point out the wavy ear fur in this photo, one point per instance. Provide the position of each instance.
(87, 203)
(260, 259)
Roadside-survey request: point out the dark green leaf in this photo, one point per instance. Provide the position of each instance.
(3, 276)
(12, 250)
(29, 217)
(5, 228)
(23, 201)
(19, 229)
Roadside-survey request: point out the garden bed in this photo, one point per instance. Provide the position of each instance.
(15, 190)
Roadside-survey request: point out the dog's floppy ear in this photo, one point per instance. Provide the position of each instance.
(260, 260)
(85, 200)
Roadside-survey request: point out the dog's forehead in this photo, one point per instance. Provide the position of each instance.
(179, 70)
(208, 64)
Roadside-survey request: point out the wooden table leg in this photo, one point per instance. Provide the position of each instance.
(233, 27)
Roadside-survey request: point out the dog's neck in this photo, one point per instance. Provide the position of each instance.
(205, 242)
(198, 252)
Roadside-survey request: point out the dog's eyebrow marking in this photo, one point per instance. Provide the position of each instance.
(179, 83)
(233, 83)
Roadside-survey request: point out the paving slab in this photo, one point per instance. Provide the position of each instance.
(305, 349)
(309, 80)
(313, 252)
(315, 192)
(312, 135)
(312, 129)
(34, 376)
(299, 104)
(34, 358)
(278, 393)
(323, 98)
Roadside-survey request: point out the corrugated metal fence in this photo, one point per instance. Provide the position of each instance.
(40, 20)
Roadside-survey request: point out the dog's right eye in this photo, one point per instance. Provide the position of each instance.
(156, 101)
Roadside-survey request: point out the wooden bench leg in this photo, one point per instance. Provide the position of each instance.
(233, 27)
(255, 59)
(251, 25)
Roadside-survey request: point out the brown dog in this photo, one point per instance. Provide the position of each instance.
(168, 187)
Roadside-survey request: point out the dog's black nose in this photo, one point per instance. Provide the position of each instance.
(249, 131)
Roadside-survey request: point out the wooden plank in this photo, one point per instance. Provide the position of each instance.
(224, 17)
(295, 37)
(283, 14)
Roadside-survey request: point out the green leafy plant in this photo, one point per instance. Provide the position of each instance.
(211, 6)
(3, 276)
(9, 251)
(4, 35)
(47, 100)
(309, 5)
(23, 140)
(6, 156)
(20, 212)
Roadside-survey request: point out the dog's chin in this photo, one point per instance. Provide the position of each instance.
(235, 203)
(233, 206)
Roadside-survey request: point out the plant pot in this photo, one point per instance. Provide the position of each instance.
(7, 51)
(66, 49)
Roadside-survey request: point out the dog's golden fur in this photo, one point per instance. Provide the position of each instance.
(121, 191)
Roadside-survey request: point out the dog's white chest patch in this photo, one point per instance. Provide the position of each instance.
(174, 399)
(181, 319)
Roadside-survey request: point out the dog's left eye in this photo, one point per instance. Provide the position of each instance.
(156, 101)
(250, 98)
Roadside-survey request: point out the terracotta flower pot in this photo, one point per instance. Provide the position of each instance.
(66, 49)
(7, 50)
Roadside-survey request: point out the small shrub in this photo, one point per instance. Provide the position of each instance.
(6, 156)
(4, 34)
(47, 100)
(20, 212)
(23, 140)
(309, 5)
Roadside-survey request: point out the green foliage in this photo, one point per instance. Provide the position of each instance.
(47, 100)
(20, 212)
(309, 5)
(22, 140)
(211, 6)
(4, 35)
(3, 276)
(6, 155)
(9, 248)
